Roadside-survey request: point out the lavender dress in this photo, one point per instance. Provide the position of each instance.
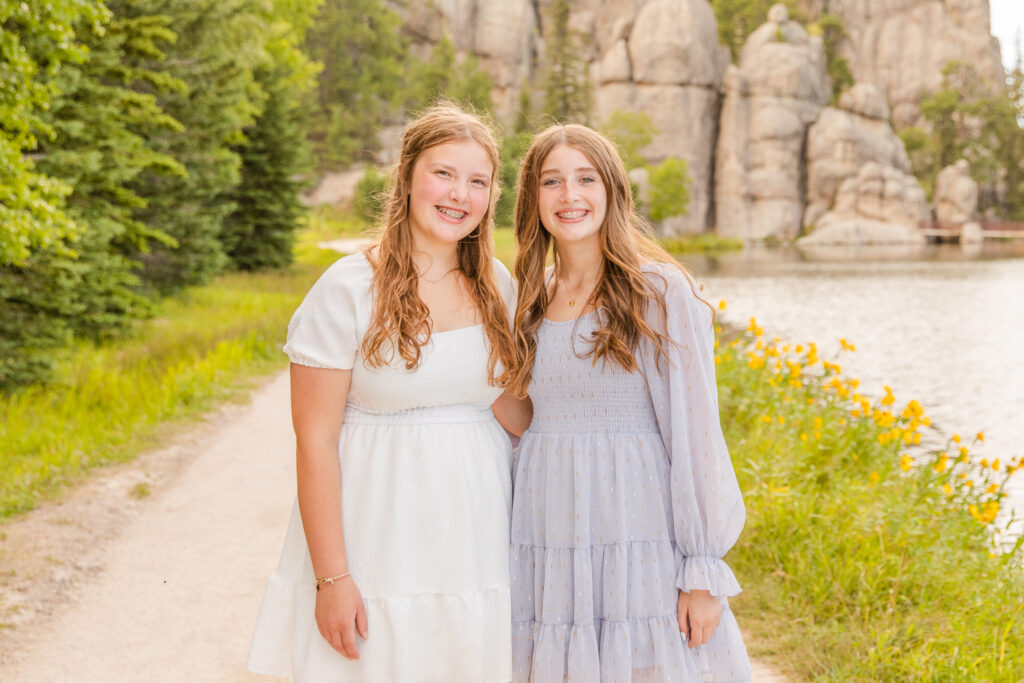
(624, 494)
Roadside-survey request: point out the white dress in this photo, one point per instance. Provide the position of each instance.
(426, 498)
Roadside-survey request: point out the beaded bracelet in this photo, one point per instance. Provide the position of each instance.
(329, 579)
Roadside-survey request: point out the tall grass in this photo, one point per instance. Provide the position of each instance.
(865, 557)
(109, 401)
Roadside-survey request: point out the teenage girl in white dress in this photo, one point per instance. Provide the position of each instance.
(396, 568)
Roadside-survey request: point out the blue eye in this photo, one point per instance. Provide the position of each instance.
(549, 182)
(586, 180)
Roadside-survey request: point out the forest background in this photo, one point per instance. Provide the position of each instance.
(148, 145)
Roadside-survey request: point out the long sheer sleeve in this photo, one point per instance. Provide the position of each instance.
(707, 508)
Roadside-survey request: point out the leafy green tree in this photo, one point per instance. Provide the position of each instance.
(566, 71)
(445, 75)
(38, 278)
(631, 131)
(275, 157)
(669, 189)
(363, 52)
(36, 39)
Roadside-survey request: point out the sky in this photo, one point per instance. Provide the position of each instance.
(1007, 18)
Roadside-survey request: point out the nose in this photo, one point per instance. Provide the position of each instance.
(459, 192)
(568, 194)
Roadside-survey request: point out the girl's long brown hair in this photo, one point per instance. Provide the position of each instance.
(400, 320)
(623, 291)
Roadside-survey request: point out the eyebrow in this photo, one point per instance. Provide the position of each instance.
(581, 169)
(449, 167)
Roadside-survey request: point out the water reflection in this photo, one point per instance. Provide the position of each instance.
(940, 323)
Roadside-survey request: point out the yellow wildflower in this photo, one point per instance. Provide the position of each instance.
(956, 438)
(799, 348)
(995, 464)
(722, 305)
(782, 420)
(926, 421)
(980, 436)
(992, 488)
(803, 437)
(874, 476)
(906, 462)
(947, 489)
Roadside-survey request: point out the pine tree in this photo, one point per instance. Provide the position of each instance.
(219, 44)
(260, 232)
(37, 281)
(445, 75)
(362, 49)
(100, 147)
(566, 71)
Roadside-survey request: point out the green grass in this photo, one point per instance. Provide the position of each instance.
(111, 401)
(854, 569)
(704, 243)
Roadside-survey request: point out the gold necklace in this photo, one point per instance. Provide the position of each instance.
(572, 297)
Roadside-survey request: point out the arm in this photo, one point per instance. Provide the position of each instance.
(514, 414)
(707, 507)
(318, 407)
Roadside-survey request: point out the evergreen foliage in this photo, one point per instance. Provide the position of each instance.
(371, 195)
(445, 76)
(363, 52)
(513, 147)
(737, 19)
(275, 156)
(566, 70)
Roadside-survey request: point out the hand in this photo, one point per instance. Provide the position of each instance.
(698, 612)
(339, 613)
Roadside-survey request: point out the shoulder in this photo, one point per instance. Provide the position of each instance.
(345, 283)
(352, 273)
(506, 284)
(678, 289)
(501, 272)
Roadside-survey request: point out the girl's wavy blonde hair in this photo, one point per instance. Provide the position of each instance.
(623, 290)
(401, 321)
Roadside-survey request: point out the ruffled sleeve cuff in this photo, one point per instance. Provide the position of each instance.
(705, 573)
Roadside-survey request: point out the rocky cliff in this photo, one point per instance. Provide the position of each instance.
(767, 155)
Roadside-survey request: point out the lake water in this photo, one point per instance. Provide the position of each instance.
(941, 324)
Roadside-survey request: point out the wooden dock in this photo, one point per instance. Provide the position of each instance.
(949, 231)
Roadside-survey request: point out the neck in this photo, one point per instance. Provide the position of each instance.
(579, 263)
(434, 257)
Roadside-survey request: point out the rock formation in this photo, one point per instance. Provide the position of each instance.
(880, 205)
(771, 98)
(667, 63)
(956, 194)
(845, 138)
(902, 46)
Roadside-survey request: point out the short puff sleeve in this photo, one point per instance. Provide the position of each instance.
(707, 507)
(326, 329)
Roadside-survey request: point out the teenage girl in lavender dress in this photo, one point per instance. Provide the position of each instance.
(625, 500)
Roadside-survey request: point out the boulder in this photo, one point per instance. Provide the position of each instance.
(771, 98)
(956, 194)
(879, 205)
(842, 140)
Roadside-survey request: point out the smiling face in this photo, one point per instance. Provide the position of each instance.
(572, 200)
(449, 192)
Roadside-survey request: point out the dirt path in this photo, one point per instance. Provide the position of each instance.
(117, 584)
